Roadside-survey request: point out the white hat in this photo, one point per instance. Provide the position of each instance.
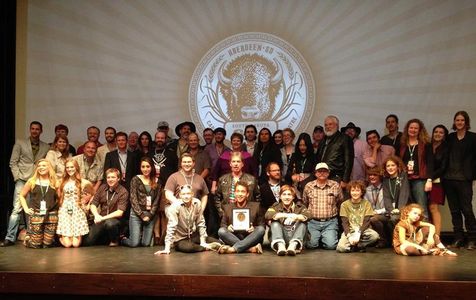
(322, 166)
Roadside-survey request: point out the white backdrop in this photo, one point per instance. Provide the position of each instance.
(128, 64)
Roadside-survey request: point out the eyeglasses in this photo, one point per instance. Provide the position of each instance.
(277, 170)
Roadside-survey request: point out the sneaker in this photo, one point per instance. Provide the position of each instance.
(281, 249)
(7, 243)
(292, 249)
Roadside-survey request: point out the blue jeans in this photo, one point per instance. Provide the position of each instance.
(14, 221)
(324, 232)
(135, 226)
(287, 234)
(241, 240)
(417, 188)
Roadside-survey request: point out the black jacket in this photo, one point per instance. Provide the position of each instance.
(337, 151)
(132, 166)
(464, 163)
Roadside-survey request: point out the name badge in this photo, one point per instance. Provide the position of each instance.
(148, 203)
(42, 207)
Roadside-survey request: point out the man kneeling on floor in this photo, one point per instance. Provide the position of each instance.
(108, 206)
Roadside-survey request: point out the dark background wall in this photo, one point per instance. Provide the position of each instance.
(7, 106)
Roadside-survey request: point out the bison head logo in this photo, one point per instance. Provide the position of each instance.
(250, 84)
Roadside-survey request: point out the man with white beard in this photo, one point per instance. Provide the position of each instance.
(337, 151)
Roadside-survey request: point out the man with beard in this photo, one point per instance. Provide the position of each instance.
(164, 157)
(93, 136)
(394, 136)
(208, 136)
(337, 151)
(202, 159)
(164, 126)
(322, 197)
(165, 162)
(270, 189)
(317, 137)
(110, 136)
(358, 169)
(182, 130)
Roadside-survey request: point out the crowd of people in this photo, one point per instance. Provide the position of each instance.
(329, 190)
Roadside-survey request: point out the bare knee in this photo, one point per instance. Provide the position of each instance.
(66, 242)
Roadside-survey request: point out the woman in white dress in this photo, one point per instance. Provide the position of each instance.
(73, 193)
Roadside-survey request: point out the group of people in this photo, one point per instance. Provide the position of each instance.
(135, 191)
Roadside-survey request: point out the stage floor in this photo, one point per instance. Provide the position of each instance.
(102, 270)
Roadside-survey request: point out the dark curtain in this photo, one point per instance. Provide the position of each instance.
(7, 106)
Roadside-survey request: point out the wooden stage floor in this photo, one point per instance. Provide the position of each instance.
(136, 273)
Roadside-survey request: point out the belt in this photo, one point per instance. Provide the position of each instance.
(324, 219)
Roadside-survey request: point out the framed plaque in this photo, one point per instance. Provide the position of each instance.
(241, 219)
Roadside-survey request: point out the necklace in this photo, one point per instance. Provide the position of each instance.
(185, 177)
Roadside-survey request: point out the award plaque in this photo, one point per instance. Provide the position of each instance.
(241, 219)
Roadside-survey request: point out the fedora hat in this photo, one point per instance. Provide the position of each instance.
(186, 123)
(351, 125)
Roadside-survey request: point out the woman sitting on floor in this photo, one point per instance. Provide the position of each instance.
(287, 222)
(415, 237)
(186, 228)
(243, 213)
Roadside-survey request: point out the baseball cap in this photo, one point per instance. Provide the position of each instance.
(163, 124)
(322, 166)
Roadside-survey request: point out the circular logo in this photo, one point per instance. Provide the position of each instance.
(252, 78)
(241, 217)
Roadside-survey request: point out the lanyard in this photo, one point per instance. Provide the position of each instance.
(411, 150)
(303, 162)
(43, 193)
(375, 194)
(109, 199)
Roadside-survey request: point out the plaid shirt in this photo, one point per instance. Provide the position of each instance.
(322, 200)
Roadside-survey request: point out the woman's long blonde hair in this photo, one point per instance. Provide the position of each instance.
(36, 175)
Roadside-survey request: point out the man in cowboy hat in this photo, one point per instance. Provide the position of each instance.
(182, 130)
(358, 169)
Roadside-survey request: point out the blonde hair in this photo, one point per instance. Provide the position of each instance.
(36, 175)
(423, 135)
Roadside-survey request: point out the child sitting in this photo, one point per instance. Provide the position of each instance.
(415, 237)
(355, 214)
